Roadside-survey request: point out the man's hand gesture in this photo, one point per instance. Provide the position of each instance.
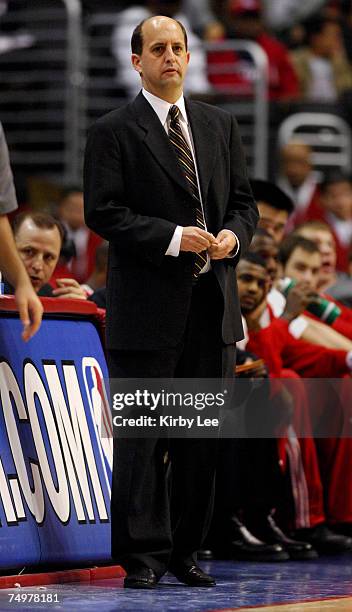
(224, 246)
(196, 240)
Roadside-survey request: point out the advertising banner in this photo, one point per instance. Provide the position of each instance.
(55, 445)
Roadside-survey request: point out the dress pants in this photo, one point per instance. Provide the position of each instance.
(153, 524)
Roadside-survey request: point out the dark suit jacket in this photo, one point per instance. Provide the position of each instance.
(136, 194)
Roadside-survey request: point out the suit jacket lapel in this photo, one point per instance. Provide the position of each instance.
(157, 140)
(205, 144)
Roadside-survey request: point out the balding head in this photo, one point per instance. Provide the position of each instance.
(296, 162)
(162, 58)
(137, 35)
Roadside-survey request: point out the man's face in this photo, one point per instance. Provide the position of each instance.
(272, 220)
(72, 210)
(337, 199)
(252, 283)
(328, 41)
(267, 249)
(164, 58)
(39, 249)
(303, 266)
(327, 249)
(296, 163)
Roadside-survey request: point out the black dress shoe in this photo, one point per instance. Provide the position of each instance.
(246, 547)
(192, 575)
(325, 541)
(269, 531)
(141, 578)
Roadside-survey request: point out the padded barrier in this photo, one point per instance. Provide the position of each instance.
(55, 449)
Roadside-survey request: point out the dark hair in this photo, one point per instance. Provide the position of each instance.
(41, 220)
(254, 258)
(333, 177)
(265, 191)
(291, 243)
(137, 36)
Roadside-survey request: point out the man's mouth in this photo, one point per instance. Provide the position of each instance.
(327, 265)
(247, 302)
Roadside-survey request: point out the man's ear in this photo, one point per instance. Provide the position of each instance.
(136, 63)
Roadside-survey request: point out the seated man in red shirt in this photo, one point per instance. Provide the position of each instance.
(331, 282)
(280, 350)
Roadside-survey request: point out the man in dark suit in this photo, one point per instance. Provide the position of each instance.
(165, 184)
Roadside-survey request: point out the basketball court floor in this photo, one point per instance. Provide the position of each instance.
(322, 585)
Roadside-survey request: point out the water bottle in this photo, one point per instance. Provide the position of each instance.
(324, 309)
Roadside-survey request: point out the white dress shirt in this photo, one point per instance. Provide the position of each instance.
(162, 108)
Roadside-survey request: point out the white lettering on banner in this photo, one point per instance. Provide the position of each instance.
(74, 432)
(65, 459)
(6, 498)
(80, 427)
(58, 495)
(33, 494)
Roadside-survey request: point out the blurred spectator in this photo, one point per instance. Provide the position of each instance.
(70, 212)
(274, 208)
(336, 210)
(298, 179)
(243, 20)
(38, 238)
(330, 281)
(196, 80)
(282, 14)
(16, 38)
(323, 69)
(200, 17)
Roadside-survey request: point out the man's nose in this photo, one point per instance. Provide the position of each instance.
(169, 53)
(253, 287)
(307, 276)
(37, 262)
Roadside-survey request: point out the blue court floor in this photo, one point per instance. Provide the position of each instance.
(239, 585)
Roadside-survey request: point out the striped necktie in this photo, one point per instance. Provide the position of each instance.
(185, 158)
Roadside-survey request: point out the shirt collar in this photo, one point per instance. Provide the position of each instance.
(162, 107)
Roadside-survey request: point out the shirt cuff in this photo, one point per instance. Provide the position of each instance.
(175, 243)
(297, 327)
(237, 247)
